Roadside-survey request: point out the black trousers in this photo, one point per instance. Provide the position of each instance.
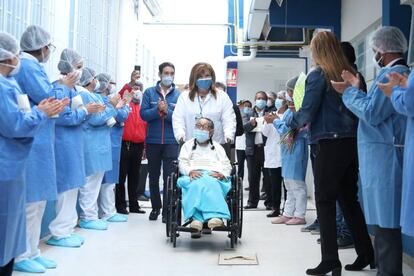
(336, 177)
(142, 179)
(157, 154)
(7, 269)
(131, 154)
(388, 251)
(274, 189)
(241, 158)
(255, 164)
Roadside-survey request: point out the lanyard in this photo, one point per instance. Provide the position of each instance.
(201, 107)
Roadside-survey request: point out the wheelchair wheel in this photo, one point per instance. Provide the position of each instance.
(240, 206)
(169, 206)
(177, 221)
(233, 238)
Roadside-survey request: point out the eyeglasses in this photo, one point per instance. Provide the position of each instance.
(51, 47)
(202, 127)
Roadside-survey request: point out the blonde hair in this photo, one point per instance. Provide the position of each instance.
(328, 55)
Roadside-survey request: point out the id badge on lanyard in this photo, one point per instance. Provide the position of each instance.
(199, 115)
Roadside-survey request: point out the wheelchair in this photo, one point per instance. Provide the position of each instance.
(234, 201)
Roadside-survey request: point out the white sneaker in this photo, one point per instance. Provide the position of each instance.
(214, 223)
(196, 224)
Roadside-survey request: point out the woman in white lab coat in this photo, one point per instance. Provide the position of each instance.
(204, 100)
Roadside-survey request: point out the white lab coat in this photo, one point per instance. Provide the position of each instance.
(219, 110)
(241, 142)
(272, 150)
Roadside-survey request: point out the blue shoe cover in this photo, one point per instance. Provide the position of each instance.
(65, 242)
(46, 263)
(93, 224)
(118, 218)
(79, 237)
(29, 266)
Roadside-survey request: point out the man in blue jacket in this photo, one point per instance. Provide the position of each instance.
(157, 106)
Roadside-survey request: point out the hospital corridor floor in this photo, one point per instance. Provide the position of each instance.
(140, 247)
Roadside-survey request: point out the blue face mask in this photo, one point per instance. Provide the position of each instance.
(278, 103)
(167, 80)
(204, 83)
(246, 110)
(201, 136)
(261, 103)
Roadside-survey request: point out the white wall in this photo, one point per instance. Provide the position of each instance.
(127, 36)
(267, 74)
(357, 15)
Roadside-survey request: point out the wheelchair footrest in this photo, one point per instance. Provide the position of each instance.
(224, 228)
(186, 229)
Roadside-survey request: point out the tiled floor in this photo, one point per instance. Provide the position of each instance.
(140, 247)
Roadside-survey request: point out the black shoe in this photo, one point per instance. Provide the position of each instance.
(246, 189)
(318, 241)
(325, 267)
(360, 263)
(196, 235)
(206, 231)
(123, 211)
(273, 214)
(345, 242)
(136, 210)
(263, 196)
(250, 206)
(143, 198)
(154, 214)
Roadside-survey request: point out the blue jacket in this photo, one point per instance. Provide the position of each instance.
(16, 137)
(324, 110)
(403, 102)
(70, 164)
(381, 133)
(295, 162)
(159, 129)
(41, 169)
(112, 176)
(96, 136)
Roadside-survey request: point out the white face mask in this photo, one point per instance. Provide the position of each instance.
(45, 58)
(377, 63)
(15, 70)
(78, 74)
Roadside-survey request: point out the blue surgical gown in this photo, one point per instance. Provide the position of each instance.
(403, 102)
(204, 198)
(295, 161)
(16, 132)
(96, 138)
(381, 133)
(70, 163)
(112, 176)
(41, 164)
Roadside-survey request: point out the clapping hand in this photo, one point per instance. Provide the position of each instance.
(52, 107)
(349, 80)
(270, 117)
(394, 80)
(69, 80)
(114, 100)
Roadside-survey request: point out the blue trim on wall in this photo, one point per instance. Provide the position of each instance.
(394, 14)
(307, 14)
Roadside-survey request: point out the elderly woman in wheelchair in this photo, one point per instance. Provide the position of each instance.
(205, 181)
